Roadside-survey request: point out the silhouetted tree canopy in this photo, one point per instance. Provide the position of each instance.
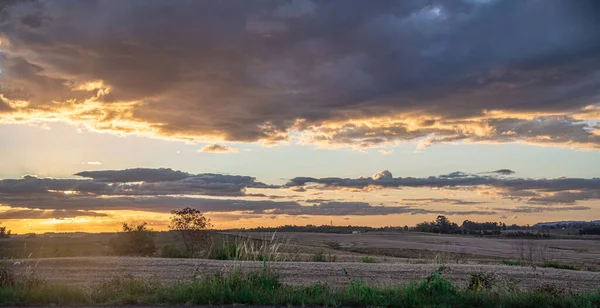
(134, 241)
(192, 227)
(4, 233)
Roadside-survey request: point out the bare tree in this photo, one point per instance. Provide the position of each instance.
(192, 227)
(518, 247)
(531, 252)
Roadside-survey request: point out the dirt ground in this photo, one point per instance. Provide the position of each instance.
(93, 270)
(414, 246)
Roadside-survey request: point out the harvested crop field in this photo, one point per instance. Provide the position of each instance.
(93, 270)
(414, 245)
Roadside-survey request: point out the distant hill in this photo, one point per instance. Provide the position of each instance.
(567, 224)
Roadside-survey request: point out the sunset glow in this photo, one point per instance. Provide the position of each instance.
(369, 113)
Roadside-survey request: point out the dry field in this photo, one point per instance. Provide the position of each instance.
(92, 270)
(399, 257)
(414, 247)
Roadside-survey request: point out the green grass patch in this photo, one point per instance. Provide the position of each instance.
(512, 263)
(543, 264)
(265, 288)
(367, 259)
(558, 265)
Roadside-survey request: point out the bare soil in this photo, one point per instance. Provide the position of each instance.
(413, 246)
(94, 270)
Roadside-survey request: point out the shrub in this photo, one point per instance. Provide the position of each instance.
(436, 285)
(134, 241)
(169, 251)
(4, 233)
(320, 256)
(480, 282)
(367, 259)
(225, 251)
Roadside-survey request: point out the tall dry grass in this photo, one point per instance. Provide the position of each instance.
(244, 248)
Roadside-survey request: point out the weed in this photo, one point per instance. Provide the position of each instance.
(436, 284)
(7, 276)
(320, 256)
(512, 263)
(480, 282)
(263, 288)
(245, 248)
(367, 259)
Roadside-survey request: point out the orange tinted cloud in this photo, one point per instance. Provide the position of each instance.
(399, 80)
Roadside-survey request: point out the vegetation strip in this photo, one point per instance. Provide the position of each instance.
(264, 288)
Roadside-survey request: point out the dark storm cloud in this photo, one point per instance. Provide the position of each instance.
(454, 179)
(566, 197)
(543, 191)
(163, 204)
(500, 172)
(365, 209)
(254, 70)
(162, 190)
(140, 181)
(135, 175)
(72, 205)
(46, 214)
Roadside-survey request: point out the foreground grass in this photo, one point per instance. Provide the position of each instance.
(265, 288)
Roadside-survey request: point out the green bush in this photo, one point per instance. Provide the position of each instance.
(225, 251)
(367, 259)
(480, 282)
(320, 256)
(436, 285)
(134, 241)
(169, 251)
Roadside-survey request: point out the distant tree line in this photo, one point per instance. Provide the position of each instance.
(590, 230)
(443, 225)
(320, 229)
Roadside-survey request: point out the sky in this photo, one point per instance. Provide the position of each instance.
(266, 113)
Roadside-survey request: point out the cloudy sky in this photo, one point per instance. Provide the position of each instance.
(300, 111)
